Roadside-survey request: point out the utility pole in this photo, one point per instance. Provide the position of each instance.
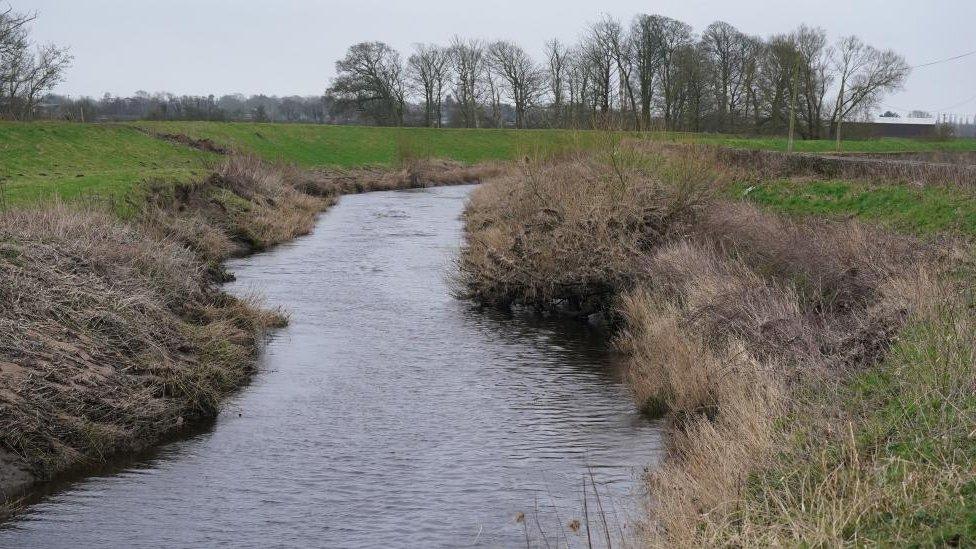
(840, 112)
(840, 120)
(796, 71)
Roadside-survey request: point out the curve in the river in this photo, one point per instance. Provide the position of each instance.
(387, 414)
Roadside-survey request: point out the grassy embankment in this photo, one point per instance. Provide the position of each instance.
(41, 160)
(71, 161)
(44, 160)
(603, 231)
(114, 331)
(817, 375)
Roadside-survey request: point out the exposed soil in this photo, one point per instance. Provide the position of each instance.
(206, 145)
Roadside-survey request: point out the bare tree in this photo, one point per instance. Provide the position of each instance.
(26, 71)
(864, 73)
(579, 86)
(754, 53)
(813, 77)
(493, 82)
(599, 61)
(690, 79)
(557, 77)
(727, 49)
(622, 50)
(645, 35)
(43, 72)
(657, 69)
(776, 83)
(523, 79)
(674, 37)
(371, 77)
(14, 33)
(428, 69)
(468, 61)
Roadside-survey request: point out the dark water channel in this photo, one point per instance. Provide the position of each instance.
(388, 414)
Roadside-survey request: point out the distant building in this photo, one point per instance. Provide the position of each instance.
(892, 126)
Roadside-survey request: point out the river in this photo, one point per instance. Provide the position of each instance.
(388, 414)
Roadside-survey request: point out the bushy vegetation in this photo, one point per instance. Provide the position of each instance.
(816, 375)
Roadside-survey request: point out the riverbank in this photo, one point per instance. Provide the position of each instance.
(116, 330)
(109, 161)
(816, 374)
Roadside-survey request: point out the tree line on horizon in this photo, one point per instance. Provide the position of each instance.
(655, 73)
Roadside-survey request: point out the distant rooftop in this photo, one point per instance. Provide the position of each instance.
(903, 120)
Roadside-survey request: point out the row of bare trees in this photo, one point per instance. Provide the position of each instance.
(655, 73)
(27, 70)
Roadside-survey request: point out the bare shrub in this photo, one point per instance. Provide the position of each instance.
(565, 233)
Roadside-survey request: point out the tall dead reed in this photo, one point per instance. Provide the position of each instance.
(736, 320)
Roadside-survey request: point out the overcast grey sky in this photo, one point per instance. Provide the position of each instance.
(287, 47)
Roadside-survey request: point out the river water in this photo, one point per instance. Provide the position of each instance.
(388, 414)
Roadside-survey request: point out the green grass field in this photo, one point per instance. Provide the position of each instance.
(41, 160)
(316, 145)
(916, 210)
(350, 146)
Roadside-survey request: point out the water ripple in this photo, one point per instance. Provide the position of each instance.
(387, 414)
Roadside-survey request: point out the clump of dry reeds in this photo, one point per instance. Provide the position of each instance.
(565, 233)
(732, 316)
(730, 323)
(111, 337)
(246, 205)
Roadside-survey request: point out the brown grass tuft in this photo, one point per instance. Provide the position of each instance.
(111, 337)
(565, 233)
(743, 327)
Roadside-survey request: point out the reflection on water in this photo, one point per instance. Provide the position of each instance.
(387, 414)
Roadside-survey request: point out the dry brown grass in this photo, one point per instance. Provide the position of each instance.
(247, 205)
(566, 233)
(413, 174)
(728, 325)
(744, 327)
(113, 333)
(110, 337)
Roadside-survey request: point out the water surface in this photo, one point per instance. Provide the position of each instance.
(387, 414)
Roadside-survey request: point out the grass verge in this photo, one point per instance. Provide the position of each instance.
(45, 160)
(912, 209)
